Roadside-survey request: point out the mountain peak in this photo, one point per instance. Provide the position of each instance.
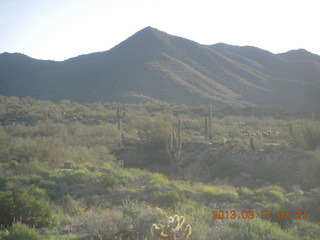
(149, 28)
(147, 39)
(300, 54)
(150, 32)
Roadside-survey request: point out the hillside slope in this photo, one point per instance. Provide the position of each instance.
(153, 65)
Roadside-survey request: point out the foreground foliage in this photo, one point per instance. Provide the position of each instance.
(67, 173)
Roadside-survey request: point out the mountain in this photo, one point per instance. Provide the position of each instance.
(152, 65)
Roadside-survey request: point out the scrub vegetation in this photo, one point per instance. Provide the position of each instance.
(68, 171)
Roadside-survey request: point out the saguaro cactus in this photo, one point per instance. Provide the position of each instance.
(208, 125)
(173, 146)
(171, 229)
(120, 114)
(252, 144)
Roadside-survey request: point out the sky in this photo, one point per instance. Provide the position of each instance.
(61, 29)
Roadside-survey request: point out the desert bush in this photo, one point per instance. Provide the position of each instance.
(37, 192)
(154, 131)
(70, 176)
(310, 171)
(142, 215)
(44, 149)
(257, 229)
(305, 229)
(168, 199)
(22, 205)
(98, 155)
(102, 223)
(198, 215)
(311, 135)
(96, 135)
(20, 231)
(245, 193)
(273, 171)
(48, 128)
(295, 134)
(304, 135)
(210, 194)
(4, 142)
(273, 193)
(3, 235)
(309, 202)
(71, 205)
(105, 182)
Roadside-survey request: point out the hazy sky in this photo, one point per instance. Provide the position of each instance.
(60, 29)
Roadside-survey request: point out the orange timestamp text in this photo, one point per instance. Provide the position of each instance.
(262, 214)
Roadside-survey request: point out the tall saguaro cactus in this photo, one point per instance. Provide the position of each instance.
(171, 229)
(120, 114)
(252, 144)
(208, 125)
(206, 128)
(173, 146)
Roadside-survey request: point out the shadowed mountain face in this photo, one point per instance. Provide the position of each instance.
(154, 66)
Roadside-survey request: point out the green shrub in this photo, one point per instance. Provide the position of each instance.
(294, 134)
(198, 215)
(311, 202)
(167, 199)
(309, 171)
(22, 205)
(273, 194)
(71, 205)
(102, 223)
(312, 136)
(272, 170)
(254, 229)
(306, 230)
(105, 183)
(142, 215)
(245, 193)
(3, 235)
(217, 193)
(154, 131)
(304, 135)
(20, 231)
(108, 180)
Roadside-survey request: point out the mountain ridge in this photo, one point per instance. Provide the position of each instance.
(153, 65)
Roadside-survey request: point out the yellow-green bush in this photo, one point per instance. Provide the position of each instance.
(168, 199)
(22, 232)
(218, 193)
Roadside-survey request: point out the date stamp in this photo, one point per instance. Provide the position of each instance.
(262, 214)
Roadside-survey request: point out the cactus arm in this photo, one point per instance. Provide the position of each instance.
(170, 229)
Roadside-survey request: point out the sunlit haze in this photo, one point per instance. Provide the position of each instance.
(61, 29)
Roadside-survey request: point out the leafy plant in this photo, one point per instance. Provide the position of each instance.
(21, 205)
(20, 231)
